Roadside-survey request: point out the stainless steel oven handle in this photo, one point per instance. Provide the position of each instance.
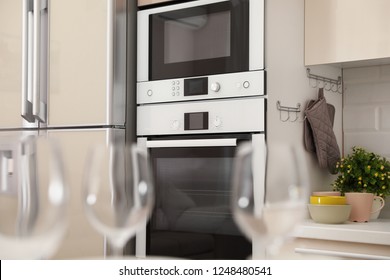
(192, 143)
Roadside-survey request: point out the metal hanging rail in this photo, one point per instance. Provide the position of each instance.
(289, 110)
(328, 83)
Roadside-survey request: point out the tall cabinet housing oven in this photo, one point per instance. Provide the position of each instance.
(63, 75)
(200, 92)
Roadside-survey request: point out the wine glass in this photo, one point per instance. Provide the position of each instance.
(118, 193)
(268, 217)
(33, 198)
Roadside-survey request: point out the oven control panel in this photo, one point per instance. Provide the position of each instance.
(213, 116)
(241, 84)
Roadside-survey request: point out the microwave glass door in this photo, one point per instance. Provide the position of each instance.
(192, 216)
(200, 40)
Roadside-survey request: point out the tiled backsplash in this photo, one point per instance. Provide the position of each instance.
(366, 119)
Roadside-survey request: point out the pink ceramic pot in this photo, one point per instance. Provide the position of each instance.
(361, 206)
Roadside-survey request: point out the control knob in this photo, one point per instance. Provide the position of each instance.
(215, 87)
(175, 125)
(217, 121)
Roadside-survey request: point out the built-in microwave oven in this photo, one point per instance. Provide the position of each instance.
(200, 38)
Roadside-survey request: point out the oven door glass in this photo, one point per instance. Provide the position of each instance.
(201, 40)
(192, 217)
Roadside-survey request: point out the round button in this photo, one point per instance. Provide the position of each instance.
(215, 87)
(173, 83)
(149, 92)
(217, 122)
(175, 125)
(173, 93)
(246, 84)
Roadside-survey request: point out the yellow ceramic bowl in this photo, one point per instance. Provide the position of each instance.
(328, 200)
(326, 193)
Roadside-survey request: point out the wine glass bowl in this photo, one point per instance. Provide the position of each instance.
(118, 193)
(268, 210)
(33, 198)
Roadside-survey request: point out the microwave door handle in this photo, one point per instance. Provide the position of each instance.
(27, 60)
(232, 142)
(40, 59)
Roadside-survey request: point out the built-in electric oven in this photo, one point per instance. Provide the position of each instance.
(200, 92)
(199, 38)
(191, 146)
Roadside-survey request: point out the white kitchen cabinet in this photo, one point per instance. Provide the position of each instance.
(309, 248)
(342, 241)
(347, 32)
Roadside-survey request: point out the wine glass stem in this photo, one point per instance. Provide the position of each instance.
(115, 250)
(259, 249)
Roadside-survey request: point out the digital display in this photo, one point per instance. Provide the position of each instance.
(196, 86)
(196, 121)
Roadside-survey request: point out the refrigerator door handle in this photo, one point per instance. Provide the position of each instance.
(40, 59)
(27, 60)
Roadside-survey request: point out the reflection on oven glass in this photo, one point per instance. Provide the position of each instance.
(204, 37)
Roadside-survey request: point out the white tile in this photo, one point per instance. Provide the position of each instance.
(384, 118)
(375, 142)
(366, 74)
(358, 93)
(360, 118)
(361, 75)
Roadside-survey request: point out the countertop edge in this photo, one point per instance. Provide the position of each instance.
(374, 232)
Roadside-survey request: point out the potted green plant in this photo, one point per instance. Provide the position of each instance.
(366, 173)
(363, 171)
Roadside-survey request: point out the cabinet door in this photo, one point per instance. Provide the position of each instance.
(82, 241)
(346, 30)
(10, 63)
(87, 37)
(77, 59)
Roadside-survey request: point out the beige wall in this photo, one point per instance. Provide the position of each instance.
(287, 81)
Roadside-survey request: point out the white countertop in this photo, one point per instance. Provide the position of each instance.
(373, 232)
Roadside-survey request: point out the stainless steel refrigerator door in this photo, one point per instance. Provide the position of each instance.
(81, 241)
(87, 63)
(14, 40)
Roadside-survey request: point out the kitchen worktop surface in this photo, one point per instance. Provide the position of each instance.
(373, 232)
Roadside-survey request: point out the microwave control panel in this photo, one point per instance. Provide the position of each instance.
(243, 84)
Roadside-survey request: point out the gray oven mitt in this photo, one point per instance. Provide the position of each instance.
(319, 136)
